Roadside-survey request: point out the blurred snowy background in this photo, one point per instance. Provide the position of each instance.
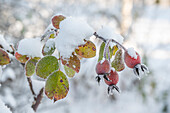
(145, 24)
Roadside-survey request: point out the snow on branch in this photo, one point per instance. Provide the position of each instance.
(5, 44)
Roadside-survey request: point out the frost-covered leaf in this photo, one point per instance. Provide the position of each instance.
(4, 58)
(69, 72)
(118, 63)
(57, 86)
(46, 66)
(88, 50)
(30, 67)
(73, 62)
(49, 47)
(21, 58)
(111, 50)
(56, 20)
(48, 51)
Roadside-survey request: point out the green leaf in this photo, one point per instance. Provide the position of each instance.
(101, 51)
(30, 67)
(118, 63)
(4, 58)
(46, 66)
(57, 86)
(69, 72)
(56, 20)
(111, 50)
(87, 50)
(48, 50)
(73, 62)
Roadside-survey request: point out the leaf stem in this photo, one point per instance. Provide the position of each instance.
(106, 49)
(31, 87)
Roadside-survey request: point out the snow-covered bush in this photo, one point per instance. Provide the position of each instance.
(58, 53)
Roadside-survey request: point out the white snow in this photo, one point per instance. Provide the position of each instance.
(49, 28)
(37, 85)
(103, 59)
(7, 74)
(3, 108)
(31, 47)
(132, 53)
(108, 33)
(72, 33)
(5, 44)
(26, 109)
(49, 44)
(8, 97)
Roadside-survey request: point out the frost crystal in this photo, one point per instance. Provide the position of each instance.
(31, 47)
(132, 53)
(108, 33)
(4, 44)
(72, 33)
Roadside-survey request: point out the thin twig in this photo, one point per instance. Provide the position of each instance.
(119, 44)
(38, 101)
(31, 87)
(97, 36)
(100, 37)
(12, 52)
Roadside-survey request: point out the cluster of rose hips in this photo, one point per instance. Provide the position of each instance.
(109, 73)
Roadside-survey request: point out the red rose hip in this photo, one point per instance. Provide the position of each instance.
(113, 78)
(133, 60)
(103, 67)
(130, 61)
